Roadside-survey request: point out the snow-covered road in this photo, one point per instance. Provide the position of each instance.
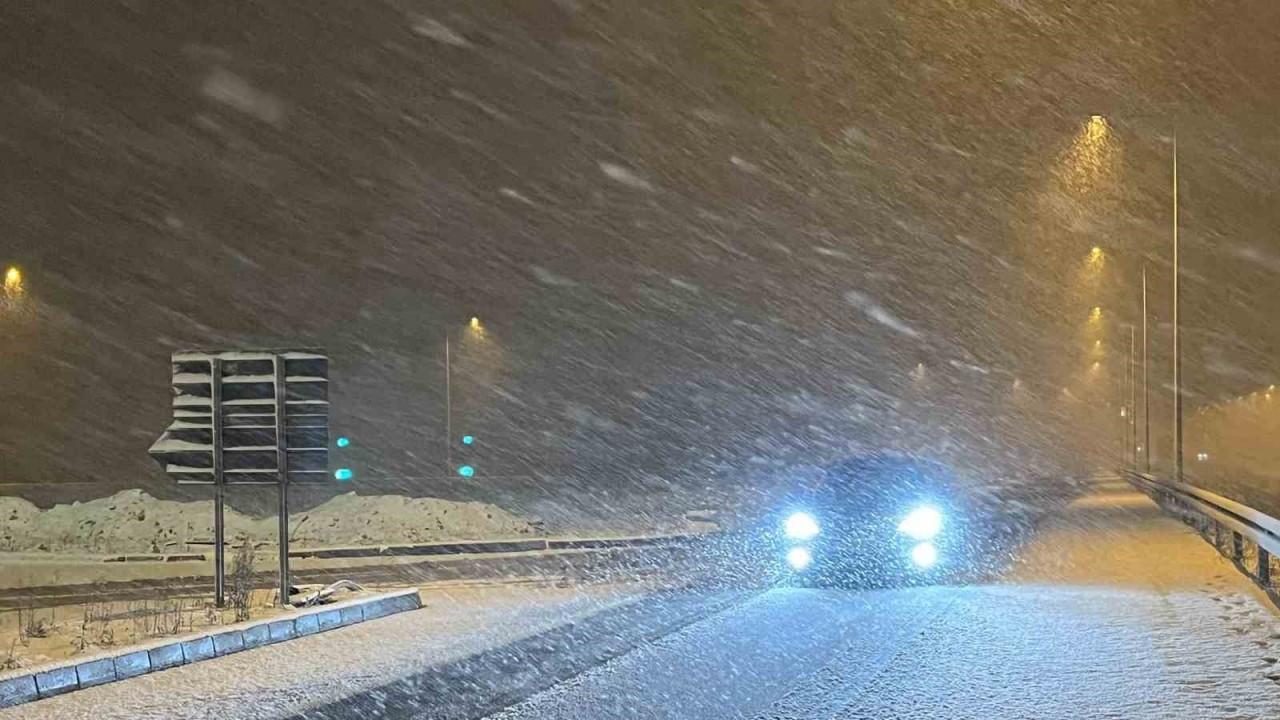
(1114, 611)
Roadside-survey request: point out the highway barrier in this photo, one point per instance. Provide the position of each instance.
(438, 561)
(1247, 537)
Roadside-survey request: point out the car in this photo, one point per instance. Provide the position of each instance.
(872, 520)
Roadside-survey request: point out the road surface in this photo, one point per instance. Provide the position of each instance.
(1113, 610)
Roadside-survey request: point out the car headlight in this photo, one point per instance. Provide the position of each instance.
(923, 523)
(924, 555)
(799, 558)
(801, 526)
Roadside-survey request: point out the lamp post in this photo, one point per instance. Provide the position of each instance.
(1146, 395)
(477, 329)
(1133, 398)
(448, 410)
(1177, 347)
(1097, 126)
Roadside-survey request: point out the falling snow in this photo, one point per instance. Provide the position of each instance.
(663, 262)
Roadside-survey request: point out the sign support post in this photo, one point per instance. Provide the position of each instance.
(282, 465)
(219, 489)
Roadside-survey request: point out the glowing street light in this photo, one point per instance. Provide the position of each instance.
(13, 281)
(477, 330)
(1095, 314)
(1091, 161)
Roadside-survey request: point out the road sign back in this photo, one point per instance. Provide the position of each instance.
(248, 418)
(238, 417)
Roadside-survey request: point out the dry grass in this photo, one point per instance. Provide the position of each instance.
(241, 591)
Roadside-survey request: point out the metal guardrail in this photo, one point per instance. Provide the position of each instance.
(437, 561)
(1248, 537)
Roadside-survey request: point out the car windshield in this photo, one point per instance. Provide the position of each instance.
(619, 359)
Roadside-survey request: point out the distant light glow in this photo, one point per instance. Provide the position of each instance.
(923, 523)
(924, 555)
(1202, 456)
(468, 439)
(799, 558)
(1124, 412)
(1092, 161)
(343, 441)
(13, 281)
(343, 474)
(1095, 314)
(466, 471)
(475, 323)
(801, 526)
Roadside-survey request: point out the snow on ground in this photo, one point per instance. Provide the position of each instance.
(279, 680)
(1113, 611)
(132, 521)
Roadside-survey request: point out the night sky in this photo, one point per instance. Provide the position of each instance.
(710, 245)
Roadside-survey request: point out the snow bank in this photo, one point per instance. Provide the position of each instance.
(132, 521)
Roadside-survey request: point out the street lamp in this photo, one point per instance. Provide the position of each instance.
(13, 281)
(477, 330)
(1177, 347)
(1095, 133)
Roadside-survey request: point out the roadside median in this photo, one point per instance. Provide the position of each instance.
(30, 684)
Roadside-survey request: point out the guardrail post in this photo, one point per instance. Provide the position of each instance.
(1264, 567)
(1237, 546)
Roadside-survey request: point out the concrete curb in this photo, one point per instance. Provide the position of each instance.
(49, 680)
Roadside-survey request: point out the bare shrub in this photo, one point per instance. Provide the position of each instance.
(95, 627)
(30, 625)
(11, 661)
(242, 580)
